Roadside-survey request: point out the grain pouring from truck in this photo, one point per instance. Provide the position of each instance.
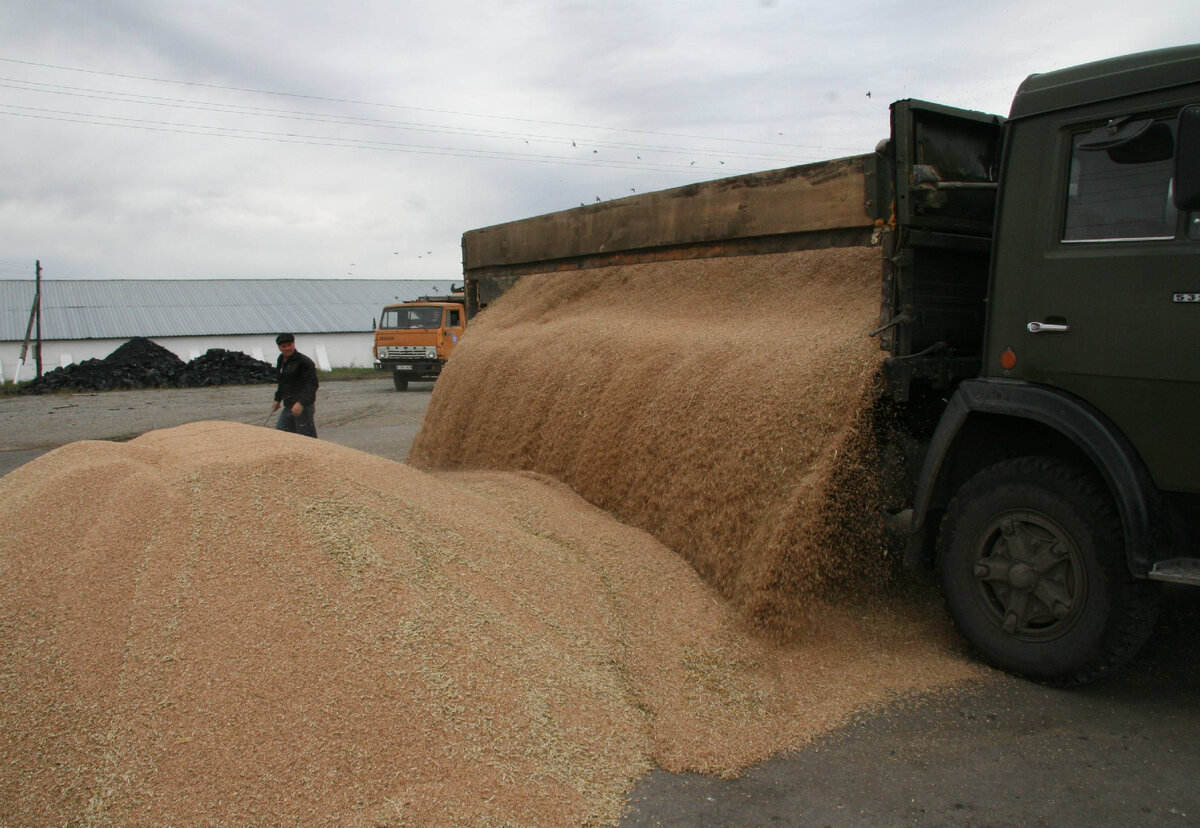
(414, 339)
(1041, 315)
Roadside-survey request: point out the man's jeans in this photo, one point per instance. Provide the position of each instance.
(300, 425)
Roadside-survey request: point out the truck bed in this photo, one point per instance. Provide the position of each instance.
(926, 197)
(795, 208)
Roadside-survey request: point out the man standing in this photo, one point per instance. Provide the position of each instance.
(297, 392)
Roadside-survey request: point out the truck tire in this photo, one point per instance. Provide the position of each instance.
(1031, 558)
(400, 382)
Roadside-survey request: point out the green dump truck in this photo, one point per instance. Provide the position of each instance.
(1041, 312)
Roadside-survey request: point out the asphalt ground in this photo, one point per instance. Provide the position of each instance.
(1005, 752)
(366, 414)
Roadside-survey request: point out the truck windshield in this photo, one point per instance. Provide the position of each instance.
(412, 318)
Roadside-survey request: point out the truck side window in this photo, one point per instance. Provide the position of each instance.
(452, 320)
(1120, 186)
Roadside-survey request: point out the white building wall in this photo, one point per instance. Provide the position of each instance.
(343, 350)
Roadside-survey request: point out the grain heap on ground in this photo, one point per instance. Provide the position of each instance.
(723, 405)
(223, 624)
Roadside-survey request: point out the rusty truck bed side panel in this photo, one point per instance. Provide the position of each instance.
(814, 205)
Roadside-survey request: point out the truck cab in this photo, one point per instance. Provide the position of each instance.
(1044, 280)
(414, 339)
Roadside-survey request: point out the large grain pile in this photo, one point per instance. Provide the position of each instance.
(219, 624)
(724, 405)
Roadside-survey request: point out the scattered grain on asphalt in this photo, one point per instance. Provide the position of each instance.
(647, 533)
(224, 624)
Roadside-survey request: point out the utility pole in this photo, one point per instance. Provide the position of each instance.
(35, 312)
(37, 303)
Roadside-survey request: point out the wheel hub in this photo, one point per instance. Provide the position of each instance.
(1023, 577)
(1028, 575)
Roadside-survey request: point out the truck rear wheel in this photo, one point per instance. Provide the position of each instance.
(400, 382)
(1032, 562)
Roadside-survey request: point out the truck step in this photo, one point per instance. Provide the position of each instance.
(1178, 571)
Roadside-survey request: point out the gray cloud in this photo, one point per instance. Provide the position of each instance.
(316, 139)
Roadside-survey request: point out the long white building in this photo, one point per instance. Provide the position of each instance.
(333, 319)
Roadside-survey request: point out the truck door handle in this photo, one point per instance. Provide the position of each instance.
(1047, 327)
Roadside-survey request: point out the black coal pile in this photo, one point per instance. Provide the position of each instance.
(144, 360)
(141, 363)
(220, 367)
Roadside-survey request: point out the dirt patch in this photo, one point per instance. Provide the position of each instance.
(223, 624)
(723, 405)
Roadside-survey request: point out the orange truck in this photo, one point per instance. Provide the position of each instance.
(414, 339)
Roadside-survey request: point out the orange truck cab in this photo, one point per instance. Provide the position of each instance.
(414, 339)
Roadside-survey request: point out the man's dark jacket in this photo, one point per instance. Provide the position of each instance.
(297, 380)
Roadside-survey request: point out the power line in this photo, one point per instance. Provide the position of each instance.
(321, 140)
(15, 268)
(353, 102)
(351, 120)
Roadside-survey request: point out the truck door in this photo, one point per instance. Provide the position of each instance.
(1113, 314)
(945, 168)
(452, 330)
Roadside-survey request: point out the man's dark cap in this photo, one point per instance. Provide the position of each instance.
(282, 338)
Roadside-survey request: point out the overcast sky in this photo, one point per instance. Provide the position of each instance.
(310, 139)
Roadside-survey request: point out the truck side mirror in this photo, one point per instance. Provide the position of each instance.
(1187, 159)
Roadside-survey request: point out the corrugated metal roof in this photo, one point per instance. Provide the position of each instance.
(124, 308)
